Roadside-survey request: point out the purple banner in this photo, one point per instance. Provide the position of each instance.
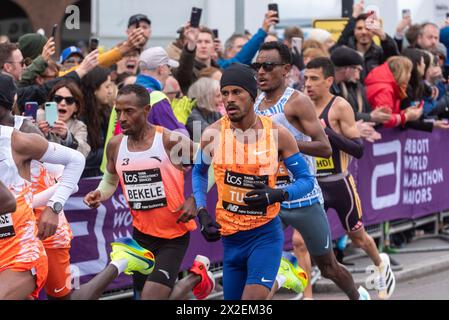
(401, 176)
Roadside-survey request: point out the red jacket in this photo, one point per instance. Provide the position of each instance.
(383, 91)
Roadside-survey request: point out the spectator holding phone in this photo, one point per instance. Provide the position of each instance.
(386, 86)
(68, 130)
(358, 34)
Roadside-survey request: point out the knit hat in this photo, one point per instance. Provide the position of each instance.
(31, 45)
(345, 57)
(319, 35)
(8, 90)
(240, 75)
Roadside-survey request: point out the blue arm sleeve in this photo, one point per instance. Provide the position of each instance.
(199, 178)
(248, 51)
(303, 179)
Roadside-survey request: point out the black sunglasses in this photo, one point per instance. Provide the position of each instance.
(267, 66)
(68, 100)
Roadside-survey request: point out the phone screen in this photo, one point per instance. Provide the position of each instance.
(406, 13)
(30, 109)
(274, 7)
(93, 44)
(51, 113)
(297, 44)
(195, 17)
(53, 31)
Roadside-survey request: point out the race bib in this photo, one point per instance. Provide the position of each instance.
(144, 189)
(236, 186)
(283, 176)
(324, 164)
(6, 226)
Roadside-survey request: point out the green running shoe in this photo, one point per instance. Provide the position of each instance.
(139, 259)
(296, 278)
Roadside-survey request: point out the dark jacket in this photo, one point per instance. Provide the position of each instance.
(375, 55)
(204, 117)
(355, 94)
(189, 68)
(38, 93)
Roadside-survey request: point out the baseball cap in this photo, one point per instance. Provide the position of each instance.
(67, 52)
(155, 57)
(138, 17)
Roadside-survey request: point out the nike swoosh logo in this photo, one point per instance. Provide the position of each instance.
(59, 290)
(265, 280)
(260, 152)
(149, 262)
(156, 158)
(327, 245)
(295, 164)
(165, 273)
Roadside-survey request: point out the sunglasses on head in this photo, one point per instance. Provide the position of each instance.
(68, 100)
(267, 66)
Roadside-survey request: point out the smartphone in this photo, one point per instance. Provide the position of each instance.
(51, 113)
(215, 32)
(447, 15)
(30, 109)
(53, 30)
(297, 44)
(406, 13)
(195, 17)
(93, 44)
(274, 7)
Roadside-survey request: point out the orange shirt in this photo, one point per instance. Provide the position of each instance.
(237, 166)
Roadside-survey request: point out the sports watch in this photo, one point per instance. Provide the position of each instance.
(56, 207)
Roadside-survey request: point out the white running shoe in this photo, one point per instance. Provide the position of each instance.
(364, 295)
(386, 282)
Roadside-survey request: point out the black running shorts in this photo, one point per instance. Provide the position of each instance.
(342, 196)
(168, 254)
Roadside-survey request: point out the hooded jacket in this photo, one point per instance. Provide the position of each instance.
(382, 90)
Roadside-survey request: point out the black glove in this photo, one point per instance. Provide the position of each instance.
(209, 227)
(263, 196)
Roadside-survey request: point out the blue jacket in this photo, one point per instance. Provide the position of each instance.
(444, 39)
(248, 51)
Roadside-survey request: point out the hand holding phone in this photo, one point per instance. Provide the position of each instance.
(51, 113)
(274, 7)
(215, 32)
(195, 17)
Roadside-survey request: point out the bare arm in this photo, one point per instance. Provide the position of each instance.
(346, 119)
(7, 200)
(302, 110)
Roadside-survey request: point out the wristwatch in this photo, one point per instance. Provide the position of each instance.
(56, 207)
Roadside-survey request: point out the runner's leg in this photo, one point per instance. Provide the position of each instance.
(16, 285)
(304, 261)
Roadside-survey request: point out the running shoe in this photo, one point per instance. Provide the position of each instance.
(295, 278)
(386, 282)
(207, 284)
(139, 259)
(364, 295)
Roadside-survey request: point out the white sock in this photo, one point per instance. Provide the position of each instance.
(121, 265)
(280, 279)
